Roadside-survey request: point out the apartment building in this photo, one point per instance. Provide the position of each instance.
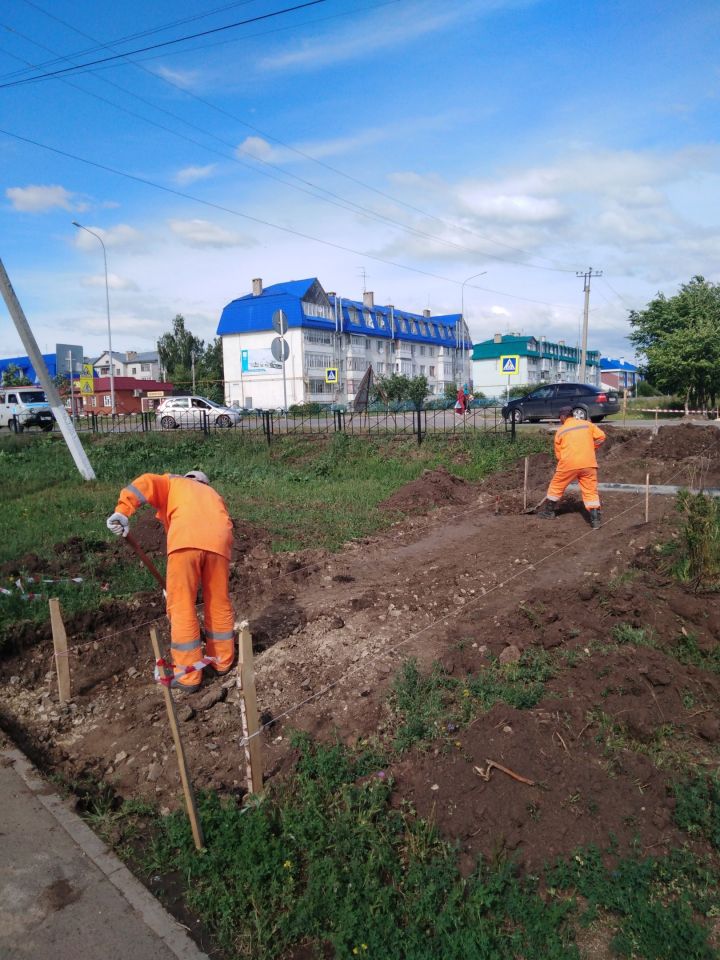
(332, 342)
(539, 361)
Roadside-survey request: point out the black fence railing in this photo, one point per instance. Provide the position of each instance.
(268, 423)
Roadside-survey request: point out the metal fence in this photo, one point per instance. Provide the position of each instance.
(410, 423)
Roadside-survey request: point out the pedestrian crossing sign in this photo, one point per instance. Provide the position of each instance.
(331, 375)
(510, 364)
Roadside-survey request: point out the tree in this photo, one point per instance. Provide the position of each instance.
(398, 387)
(12, 377)
(176, 349)
(417, 391)
(680, 340)
(179, 350)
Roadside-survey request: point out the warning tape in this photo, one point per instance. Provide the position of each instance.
(161, 665)
(27, 595)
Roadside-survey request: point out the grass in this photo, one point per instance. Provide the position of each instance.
(426, 707)
(327, 862)
(695, 554)
(305, 492)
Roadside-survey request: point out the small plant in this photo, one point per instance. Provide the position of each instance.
(700, 539)
(637, 636)
(697, 807)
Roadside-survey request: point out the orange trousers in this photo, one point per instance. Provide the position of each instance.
(585, 476)
(186, 570)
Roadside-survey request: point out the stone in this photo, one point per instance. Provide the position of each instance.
(132, 672)
(510, 654)
(657, 675)
(154, 772)
(119, 757)
(185, 712)
(216, 695)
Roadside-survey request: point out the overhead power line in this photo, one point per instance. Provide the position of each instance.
(316, 191)
(165, 43)
(261, 221)
(306, 156)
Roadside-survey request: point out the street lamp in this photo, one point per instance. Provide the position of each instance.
(107, 303)
(462, 307)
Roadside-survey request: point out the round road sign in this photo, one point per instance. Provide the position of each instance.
(280, 349)
(280, 322)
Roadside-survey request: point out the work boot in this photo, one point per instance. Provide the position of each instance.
(595, 519)
(547, 511)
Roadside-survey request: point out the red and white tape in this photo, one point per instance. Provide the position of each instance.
(178, 671)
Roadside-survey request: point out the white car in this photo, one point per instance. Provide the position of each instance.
(191, 412)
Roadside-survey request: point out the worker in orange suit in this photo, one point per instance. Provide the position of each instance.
(199, 539)
(575, 444)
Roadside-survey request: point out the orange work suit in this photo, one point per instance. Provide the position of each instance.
(575, 444)
(199, 539)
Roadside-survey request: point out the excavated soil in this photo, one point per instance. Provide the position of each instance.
(464, 578)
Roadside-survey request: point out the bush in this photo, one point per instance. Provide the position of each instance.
(701, 538)
(305, 409)
(645, 389)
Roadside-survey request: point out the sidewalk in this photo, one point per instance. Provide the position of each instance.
(63, 894)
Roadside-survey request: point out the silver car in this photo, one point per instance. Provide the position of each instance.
(191, 412)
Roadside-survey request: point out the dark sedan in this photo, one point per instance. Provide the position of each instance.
(586, 402)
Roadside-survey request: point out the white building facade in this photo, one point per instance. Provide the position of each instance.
(142, 366)
(332, 343)
(539, 361)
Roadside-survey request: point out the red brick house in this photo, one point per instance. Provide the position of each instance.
(129, 394)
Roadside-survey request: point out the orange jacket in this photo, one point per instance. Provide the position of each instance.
(193, 514)
(576, 442)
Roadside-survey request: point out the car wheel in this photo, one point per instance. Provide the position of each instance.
(223, 420)
(168, 423)
(47, 427)
(598, 419)
(580, 413)
(517, 416)
(533, 420)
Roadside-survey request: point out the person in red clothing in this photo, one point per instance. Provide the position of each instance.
(461, 402)
(575, 444)
(199, 540)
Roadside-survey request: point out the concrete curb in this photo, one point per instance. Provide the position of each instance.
(153, 914)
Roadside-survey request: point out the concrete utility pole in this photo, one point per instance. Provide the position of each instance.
(67, 428)
(587, 276)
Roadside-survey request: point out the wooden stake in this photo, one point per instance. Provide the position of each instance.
(624, 404)
(647, 498)
(527, 464)
(248, 709)
(190, 805)
(62, 663)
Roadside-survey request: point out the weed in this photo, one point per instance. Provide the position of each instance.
(637, 636)
(699, 562)
(697, 807)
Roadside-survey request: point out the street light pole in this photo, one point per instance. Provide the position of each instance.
(462, 306)
(107, 304)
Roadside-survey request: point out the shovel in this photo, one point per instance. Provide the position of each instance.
(146, 560)
(536, 507)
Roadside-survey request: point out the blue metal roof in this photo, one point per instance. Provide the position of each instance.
(609, 363)
(25, 367)
(252, 314)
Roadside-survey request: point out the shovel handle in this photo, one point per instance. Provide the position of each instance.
(145, 559)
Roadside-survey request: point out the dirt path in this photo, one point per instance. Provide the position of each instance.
(459, 584)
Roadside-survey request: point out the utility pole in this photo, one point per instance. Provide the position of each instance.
(587, 276)
(67, 427)
(192, 366)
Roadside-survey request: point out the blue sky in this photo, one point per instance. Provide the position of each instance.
(424, 142)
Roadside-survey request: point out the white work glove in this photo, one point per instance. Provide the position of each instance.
(119, 524)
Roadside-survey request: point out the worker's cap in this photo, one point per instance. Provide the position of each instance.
(197, 475)
(565, 412)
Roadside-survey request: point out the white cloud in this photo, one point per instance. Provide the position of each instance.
(499, 311)
(187, 79)
(40, 199)
(203, 233)
(379, 31)
(193, 174)
(114, 281)
(122, 236)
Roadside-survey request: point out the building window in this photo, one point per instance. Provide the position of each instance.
(413, 327)
(423, 350)
(368, 318)
(422, 369)
(353, 315)
(319, 386)
(317, 361)
(380, 346)
(134, 371)
(357, 363)
(145, 367)
(380, 367)
(432, 329)
(107, 400)
(431, 371)
(317, 310)
(90, 401)
(431, 351)
(381, 321)
(423, 328)
(356, 341)
(317, 336)
(402, 323)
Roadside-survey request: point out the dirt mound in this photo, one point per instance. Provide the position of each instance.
(433, 488)
(686, 440)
